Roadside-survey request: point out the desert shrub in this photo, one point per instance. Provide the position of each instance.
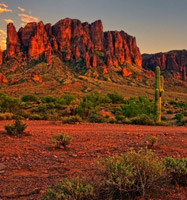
(96, 117)
(48, 99)
(66, 99)
(16, 129)
(29, 98)
(142, 120)
(6, 116)
(151, 141)
(115, 98)
(179, 117)
(177, 168)
(169, 112)
(133, 173)
(61, 140)
(75, 189)
(71, 119)
(136, 106)
(9, 104)
(35, 117)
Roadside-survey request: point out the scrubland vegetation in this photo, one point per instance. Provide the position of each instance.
(94, 107)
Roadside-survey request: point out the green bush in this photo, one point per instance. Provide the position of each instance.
(71, 119)
(134, 107)
(48, 99)
(29, 98)
(142, 120)
(96, 117)
(16, 129)
(35, 117)
(9, 104)
(132, 174)
(177, 168)
(61, 140)
(6, 116)
(66, 99)
(75, 189)
(179, 117)
(115, 98)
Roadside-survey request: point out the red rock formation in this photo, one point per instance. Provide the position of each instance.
(97, 35)
(94, 61)
(26, 33)
(62, 32)
(39, 42)
(3, 78)
(35, 77)
(72, 40)
(173, 60)
(13, 42)
(87, 59)
(126, 72)
(1, 57)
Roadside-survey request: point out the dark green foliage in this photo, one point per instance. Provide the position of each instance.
(136, 106)
(115, 98)
(96, 117)
(177, 168)
(16, 129)
(75, 189)
(179, 118)
(29, 98)
(9, 104)
(66, 99)
(132, 174)
(48, 99)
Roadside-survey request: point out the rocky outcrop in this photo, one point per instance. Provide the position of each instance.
(175, 61)
(1, 57)
(126, 72)
(35, 77)
(72, 40)
(3, 78)
(13, 42)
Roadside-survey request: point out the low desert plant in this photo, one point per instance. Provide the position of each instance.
(61, 140)
(16, 129)
(151, 141)
(6, 116)
(142, 120)
(29, 98)
(71, 119)
(132, 174)
(75, 189)
(177, 168)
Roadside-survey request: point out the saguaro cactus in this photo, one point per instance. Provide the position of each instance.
(159, 90)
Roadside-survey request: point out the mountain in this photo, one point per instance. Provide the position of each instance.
(173, 61)
(72, 40)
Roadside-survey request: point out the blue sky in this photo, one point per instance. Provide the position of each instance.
(159, 25)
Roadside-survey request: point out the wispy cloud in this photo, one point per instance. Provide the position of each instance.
(2, 32)
(21, 9)
(28, 18)
(8, 21)
(2, 39)
(4, 8)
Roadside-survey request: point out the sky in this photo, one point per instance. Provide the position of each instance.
(158, 25)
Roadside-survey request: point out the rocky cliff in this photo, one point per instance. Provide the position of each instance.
(174, 61)
(72, 40)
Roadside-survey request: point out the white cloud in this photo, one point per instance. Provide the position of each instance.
(21, 9)
(8, 21)
(28, 18)
(4, 8)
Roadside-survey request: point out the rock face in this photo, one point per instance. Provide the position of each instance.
(175, 61)
(13, 42)
(3, 78)
(72, 40)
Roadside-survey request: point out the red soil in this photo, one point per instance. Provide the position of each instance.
(32, 164)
